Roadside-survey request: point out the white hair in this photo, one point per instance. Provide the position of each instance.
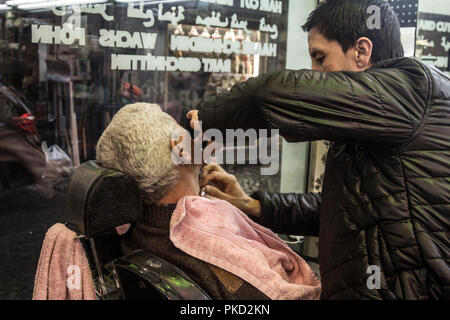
(137, 142)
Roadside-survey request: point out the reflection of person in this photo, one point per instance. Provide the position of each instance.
(16, 148)
(383, 215)
(19, 143)
(138, 142)
(129, 93)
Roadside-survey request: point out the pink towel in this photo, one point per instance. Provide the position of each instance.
(63, 270)
(216, 232)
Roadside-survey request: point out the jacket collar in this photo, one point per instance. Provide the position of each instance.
(390, 63)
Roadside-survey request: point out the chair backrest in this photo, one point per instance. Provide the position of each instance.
(100, 199)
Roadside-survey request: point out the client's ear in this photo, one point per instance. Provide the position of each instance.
(182, 147)
(177, 145)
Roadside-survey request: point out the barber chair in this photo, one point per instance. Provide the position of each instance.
(99, 200)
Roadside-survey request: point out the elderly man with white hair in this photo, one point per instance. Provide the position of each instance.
(138, 142)
(218, 246)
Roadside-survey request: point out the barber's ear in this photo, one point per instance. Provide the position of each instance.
(363, 53)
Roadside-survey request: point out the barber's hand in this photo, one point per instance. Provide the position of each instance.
(193, 116)
(221, 185)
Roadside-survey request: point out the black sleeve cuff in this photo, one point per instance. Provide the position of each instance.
(266, 208)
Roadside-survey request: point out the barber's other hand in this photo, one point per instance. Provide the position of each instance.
(221, 185)
(193, 116)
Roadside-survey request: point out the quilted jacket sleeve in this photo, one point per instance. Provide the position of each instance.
(290, 213)
(377, 106)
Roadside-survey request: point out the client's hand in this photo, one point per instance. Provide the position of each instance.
(222, 185)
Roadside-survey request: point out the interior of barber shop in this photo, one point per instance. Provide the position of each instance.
(225, 150)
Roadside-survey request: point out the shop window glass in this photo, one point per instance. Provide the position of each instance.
(96, 56)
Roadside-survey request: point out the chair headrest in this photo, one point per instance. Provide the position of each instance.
(100, 199)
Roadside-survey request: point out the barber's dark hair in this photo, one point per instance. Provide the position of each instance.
(345, 21)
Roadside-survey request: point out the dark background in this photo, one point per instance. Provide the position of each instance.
(25, 217)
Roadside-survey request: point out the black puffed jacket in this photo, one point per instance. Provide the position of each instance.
(385, 200)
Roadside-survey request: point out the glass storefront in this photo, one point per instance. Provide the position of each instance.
(433, 35)
(75, 63)
(67, 66)
(79, 62)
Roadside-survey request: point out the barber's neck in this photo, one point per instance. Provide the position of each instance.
(187, 186)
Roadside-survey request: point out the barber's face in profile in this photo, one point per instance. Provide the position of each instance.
(328, 55)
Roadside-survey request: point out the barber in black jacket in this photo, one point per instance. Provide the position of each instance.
(385, 202)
